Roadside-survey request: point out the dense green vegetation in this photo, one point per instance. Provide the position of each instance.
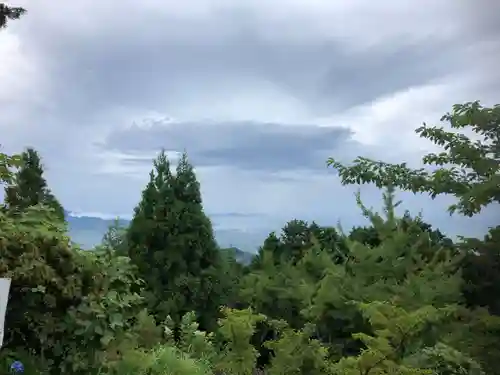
(160, 296)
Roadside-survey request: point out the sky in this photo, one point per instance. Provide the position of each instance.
(259, 93)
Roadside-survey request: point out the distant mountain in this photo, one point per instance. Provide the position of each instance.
(87, 231)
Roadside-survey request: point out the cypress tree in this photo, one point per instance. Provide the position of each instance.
(171, 241)
(194, 226)
(195, 236)
(270, 250)
(396, 271)
(29, 187)
(149, 239)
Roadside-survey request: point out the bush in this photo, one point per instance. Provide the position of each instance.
(74, 309)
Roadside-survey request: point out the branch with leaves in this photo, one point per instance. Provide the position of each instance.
(467, 168)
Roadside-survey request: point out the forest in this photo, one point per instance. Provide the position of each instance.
(160, 297)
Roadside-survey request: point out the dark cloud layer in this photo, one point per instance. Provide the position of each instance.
(245, 145)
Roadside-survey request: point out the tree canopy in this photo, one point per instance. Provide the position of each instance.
(468, 168)
(29, 188)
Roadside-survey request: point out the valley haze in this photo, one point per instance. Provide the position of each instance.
(87, 231)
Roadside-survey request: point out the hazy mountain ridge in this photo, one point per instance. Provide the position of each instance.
(87, 231)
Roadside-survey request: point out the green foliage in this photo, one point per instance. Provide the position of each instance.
(228, 350)
(9, 13)
(192, 341)
(45, 274)
(160, 361)
(7, 164)
(72, 308)
(237, 355)
(415, 227)
(476, 335)
(480, 270)
(397, 335)
(103, 326)
(115, 239)
(106, 318)
(467, 169)
(171, 241)
(294, 353)
(282, 277)
(395, 332)
(29, 188)
(148, 238)
(444, 360)
(194, 240)
(275, 292)
(230, 273)
(397, 270)
(297, 237)
(400, 344)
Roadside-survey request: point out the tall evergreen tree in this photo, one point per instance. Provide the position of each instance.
(295, 240)
(29, 187)
(395, 270)
(171, 241)
(149, 238)
(196, 238)
(270, 250)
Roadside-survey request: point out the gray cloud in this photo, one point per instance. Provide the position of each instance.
(246, 145)
(235, 215)
(325, 77)
(155, 66)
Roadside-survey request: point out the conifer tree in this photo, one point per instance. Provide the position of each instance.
(29, 187)
(171, 241)
(397, 270)
(149, 238)
(296, 238)
(195, 239)
(271, 250)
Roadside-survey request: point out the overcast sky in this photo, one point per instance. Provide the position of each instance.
(259, 92)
